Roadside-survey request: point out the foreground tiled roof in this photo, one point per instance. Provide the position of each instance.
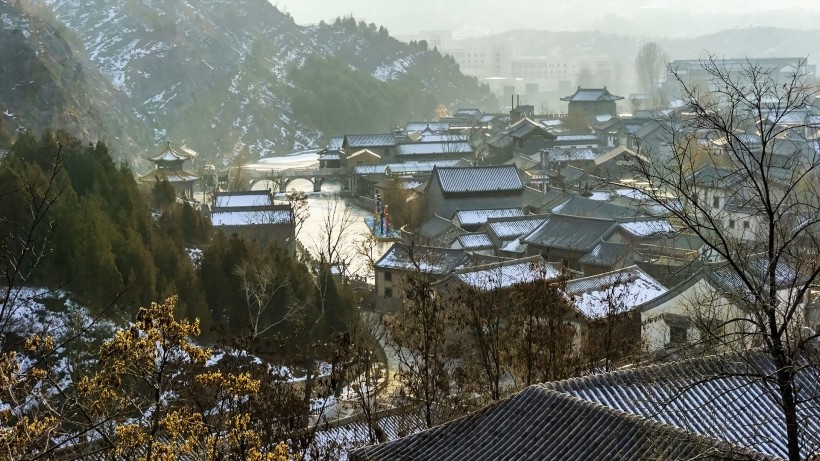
(542, 424)
(479, 179)
(723, 397)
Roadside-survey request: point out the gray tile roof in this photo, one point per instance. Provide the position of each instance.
(479, 179)
(336, 143)
(570, 232)
(542, 424)
(606, 254)
(721, 397)
(591, 94)
(479, 217)
(422, 258)
(434, 148)
(510, 228)
(475, 241)
(574, 154)
(623, 290)
(586, 207)
(435, 127)
(357, 141)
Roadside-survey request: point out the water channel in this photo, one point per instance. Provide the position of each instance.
(328, 210)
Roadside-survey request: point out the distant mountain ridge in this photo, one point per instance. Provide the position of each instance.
(215, 73)
(218, 74)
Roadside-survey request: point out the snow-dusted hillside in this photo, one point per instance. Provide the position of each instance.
(214, 73)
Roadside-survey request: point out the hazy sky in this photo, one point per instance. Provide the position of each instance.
(631, 17)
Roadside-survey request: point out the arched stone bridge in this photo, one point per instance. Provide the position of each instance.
(282, 178)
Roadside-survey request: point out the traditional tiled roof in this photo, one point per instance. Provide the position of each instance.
(647, 227)
(434, 148)
(722, 397)
(591, 95)
(468, 113)
(542, 424)
(170, 154)
(613, 292)
(606, 254)
(336, 143)
(510, 228)
(570, 154)
(425, 137)
(479, 217)
(586, 207)
(570, 232)
(420, 258)
(430, 127)
(507, 273)
(475, 241)
(406, 167)
(172, 176)
(242, 199)
(577, 137)
(250, 217)
(526, 129)
(479, 179)
(356, 141)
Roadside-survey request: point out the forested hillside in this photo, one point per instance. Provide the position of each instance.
(224, 77)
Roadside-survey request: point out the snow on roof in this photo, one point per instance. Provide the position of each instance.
(508, 273)
(613, 292)
(478, 217)
(235, 200)
(370, 140)
(600, 195)
(514, 246)
(428, 259)
(646, 228)
(475, 241)
(506, 229)
(480, 179)
(404, 168)
(430, 148)
(254, 217)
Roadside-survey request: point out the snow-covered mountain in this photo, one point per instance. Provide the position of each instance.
(215, 73)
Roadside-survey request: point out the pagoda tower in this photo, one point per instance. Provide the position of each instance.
(169, 166)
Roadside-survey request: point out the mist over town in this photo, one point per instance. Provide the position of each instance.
(390, 230)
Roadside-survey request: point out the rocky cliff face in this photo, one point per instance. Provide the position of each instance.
(45, 86)
(214, 73)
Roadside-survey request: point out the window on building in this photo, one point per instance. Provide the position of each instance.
(388, 292)
(716, 202)
(745, 224)
(388, 276)
(731, 224)
(677, 335)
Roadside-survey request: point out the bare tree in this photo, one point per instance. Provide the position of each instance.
(482, 313)
(417, 336)
(744, 179)
(262, 284)
(649, 64)
(298, 201)
(543, 351)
